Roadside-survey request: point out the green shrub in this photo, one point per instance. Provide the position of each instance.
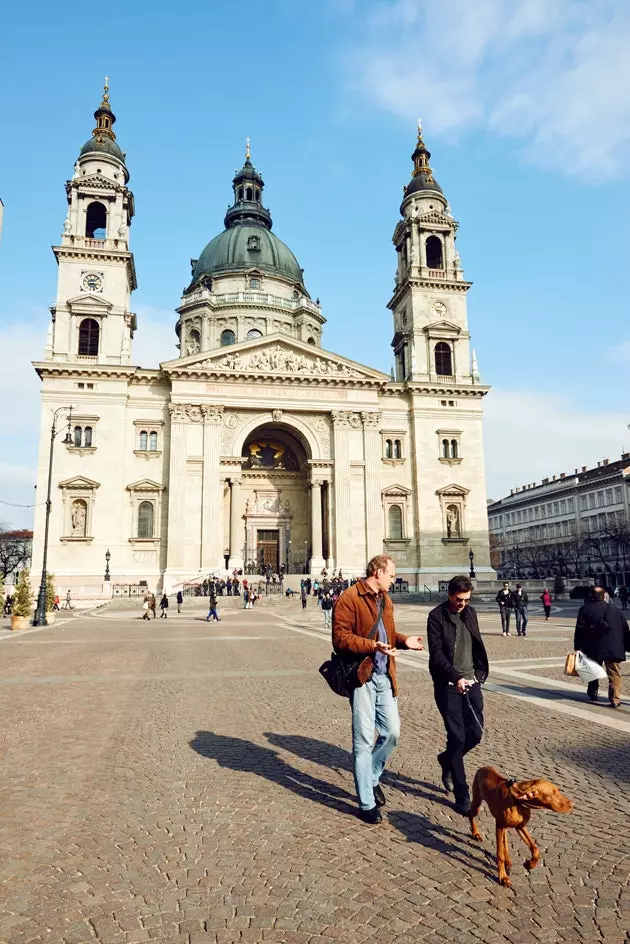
(50, 592)
(23, 596)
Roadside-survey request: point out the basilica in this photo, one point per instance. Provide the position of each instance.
(256, 445)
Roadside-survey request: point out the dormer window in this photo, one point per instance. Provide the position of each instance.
(254, 283)
(253, 243)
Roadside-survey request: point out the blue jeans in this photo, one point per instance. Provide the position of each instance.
(373, 707)
(521, 621)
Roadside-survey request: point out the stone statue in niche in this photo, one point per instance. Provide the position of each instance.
(453, 529)
(193, 346)
(79, 518)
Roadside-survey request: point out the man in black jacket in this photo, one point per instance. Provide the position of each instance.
(602, 633)
(458, 665)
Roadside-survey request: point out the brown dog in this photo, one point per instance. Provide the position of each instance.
(511, 804)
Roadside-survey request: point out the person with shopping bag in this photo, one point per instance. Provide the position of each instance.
(602, 634)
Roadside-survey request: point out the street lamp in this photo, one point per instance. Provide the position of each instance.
(107, 560)
(471, 558)
(39, 619)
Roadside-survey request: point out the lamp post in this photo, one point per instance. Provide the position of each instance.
(107, 560)
(39, 618)
(471, 558)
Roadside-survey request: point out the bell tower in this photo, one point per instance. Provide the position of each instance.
(429, 301)
(91, 319)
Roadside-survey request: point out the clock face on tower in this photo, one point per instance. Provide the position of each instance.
(92, 282)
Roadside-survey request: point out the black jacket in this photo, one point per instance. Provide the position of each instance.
(602, 639)
(519, 601)
(504, 599)
(441, 639)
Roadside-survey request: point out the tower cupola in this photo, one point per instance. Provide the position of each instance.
(103, 140)
(422, 178)
(248, 186)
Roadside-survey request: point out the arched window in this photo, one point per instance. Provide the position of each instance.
(240, 193)
(389, 453)
(397, 449)
(454, 449)
(254, 333)
(249, 194)
(153, 442)
(445, 449)
(78, 434)
(311, 341)
(258, 196)
(87, 436)
(394, 516)
(227, 337)
(433, 248)
(443, 359)
(96, 221)
(143, 439)
(88, 337)
(145, 519)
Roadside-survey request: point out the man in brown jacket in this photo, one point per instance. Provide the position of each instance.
(358, 610)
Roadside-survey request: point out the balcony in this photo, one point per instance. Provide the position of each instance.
(251, 298)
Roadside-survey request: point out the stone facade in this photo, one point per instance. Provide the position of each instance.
(270, 448)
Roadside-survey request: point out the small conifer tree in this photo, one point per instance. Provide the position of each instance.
(50, 592)
(23, 596)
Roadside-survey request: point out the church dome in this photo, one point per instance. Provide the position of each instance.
(248, 246)
(422, 179)
(103, 140)
(102, 145)
(423, 182)
(247, 241)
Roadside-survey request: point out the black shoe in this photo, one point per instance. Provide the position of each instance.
(379, 796)
(463, 806)
(592, 696)
(615, 704)
(447, 777)
(372, 816)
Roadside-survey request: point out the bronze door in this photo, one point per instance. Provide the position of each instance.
(268, 549)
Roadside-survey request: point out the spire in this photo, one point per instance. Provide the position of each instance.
(421, 157)
(104, 115)
(248, 186)
(248, 152)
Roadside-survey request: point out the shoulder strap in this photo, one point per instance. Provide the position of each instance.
(379, 612)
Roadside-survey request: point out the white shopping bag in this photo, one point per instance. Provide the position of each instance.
(587, 669)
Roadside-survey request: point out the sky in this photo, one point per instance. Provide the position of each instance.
(526, 110)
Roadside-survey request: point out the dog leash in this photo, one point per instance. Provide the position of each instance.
(509, 780)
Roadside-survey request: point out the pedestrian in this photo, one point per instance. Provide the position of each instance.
(212, 609)
(504, 599)
(602, 634)
(68, 604)
(7, 605)
(164, 606)
(145, 608)
(458, 664)
(303, 596)
(520, 601)
(359, 611)
(57, 603)
(152, 603)
(623, 596)
(327, 608)
(180, 600)
(545, 596)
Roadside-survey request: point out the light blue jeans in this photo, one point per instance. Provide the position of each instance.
(373, 707)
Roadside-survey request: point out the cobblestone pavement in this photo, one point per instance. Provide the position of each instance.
(187, 782)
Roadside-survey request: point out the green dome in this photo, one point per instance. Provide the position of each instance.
(248, 246)
(100, 144)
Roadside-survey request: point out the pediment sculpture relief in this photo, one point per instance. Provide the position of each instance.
(279, 360)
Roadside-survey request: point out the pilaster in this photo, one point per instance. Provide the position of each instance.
(373, 509)
(343, 421)
(177, 487)
(237, 531)
(212, 542)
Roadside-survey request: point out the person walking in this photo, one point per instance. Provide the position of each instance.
(504, 599)
(145, 607)
(212, 609)
(164, 606)
(602, 634)
(520, 601)
(180, 600)
(623, 596)
(364, 607)
(303, 597)
(458, 664)
(68, 604)
(327, 608)
(152, 603)
(545, 596)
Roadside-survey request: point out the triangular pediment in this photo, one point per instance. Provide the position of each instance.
(145, 485)
(452, 490)
(446, 328)
(275, 354)
(79, 481)
(96, 182)
(90, 303)
(434, 217)
(396, 491)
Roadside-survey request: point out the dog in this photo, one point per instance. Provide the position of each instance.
(511, 803)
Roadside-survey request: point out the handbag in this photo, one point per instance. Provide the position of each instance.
(569, 665)
(340, 671)
(588, 669)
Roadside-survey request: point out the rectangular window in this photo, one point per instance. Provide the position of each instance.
(618, 493)
(570, 506)
(563, 507)
(556, 508)
(591, 500)
(600, 499)
(609, 496)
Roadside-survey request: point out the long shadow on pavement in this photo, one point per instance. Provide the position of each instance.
(241, 755)
(420, 829)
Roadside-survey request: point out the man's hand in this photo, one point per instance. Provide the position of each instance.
(414, 642)
(386, 649)
(462, 686)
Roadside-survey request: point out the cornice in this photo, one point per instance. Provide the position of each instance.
(451, 390)
(442, 285)
(275, 378)
(93, 371)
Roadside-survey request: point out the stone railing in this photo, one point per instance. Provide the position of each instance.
(252, 298)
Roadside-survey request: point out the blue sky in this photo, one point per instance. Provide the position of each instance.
(526, 110)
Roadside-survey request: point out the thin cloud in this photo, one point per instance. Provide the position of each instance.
(554, 74)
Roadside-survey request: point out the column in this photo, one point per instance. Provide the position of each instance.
(343, 421)
(176, 535)
(373, 502)
(330, 560)
(237, 531)
(212, 542)
(317, 558)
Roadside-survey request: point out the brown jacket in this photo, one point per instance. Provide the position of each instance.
(354, 616)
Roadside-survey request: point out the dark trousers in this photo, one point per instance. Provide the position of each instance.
(462, 731)
(505, 618)
(521, 621)
(547, 610)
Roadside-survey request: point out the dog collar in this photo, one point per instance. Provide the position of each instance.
(510, 783)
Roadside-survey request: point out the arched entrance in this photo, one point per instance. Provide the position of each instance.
(278, 502)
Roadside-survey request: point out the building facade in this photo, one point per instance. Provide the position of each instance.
(572, 525)
(255, 444)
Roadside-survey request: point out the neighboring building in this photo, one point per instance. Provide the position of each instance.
(16, 551)
(573, 525)
(256, 443)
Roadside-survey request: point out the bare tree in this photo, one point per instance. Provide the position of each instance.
(14, 550)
